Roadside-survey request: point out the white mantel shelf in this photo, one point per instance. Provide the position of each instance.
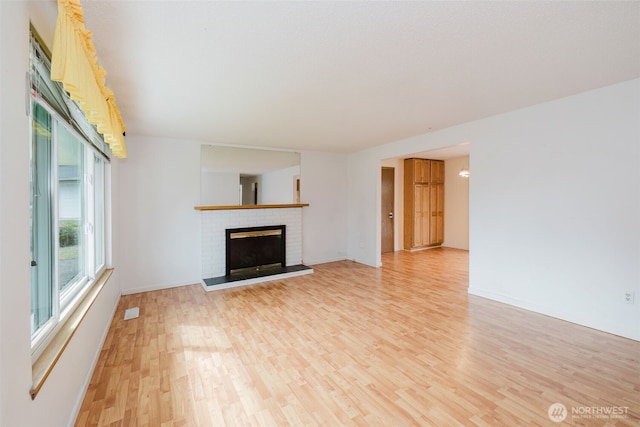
(234, 207)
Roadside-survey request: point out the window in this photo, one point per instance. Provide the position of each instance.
(99, 209)
(68, 166)
(71, 211)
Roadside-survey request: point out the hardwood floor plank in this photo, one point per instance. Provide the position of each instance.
(354, 345)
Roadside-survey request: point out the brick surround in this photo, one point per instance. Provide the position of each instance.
(215, 222)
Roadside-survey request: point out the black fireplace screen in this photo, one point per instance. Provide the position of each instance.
(255, 248)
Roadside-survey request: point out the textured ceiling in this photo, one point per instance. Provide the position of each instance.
(342, 76)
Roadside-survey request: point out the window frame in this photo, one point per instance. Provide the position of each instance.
(67, 293)
(51, 332)
(64, 302)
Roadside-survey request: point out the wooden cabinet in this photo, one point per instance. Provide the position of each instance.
(423, 203)
(437, 172)
(421, 171)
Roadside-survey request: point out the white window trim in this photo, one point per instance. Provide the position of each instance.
(65, 303)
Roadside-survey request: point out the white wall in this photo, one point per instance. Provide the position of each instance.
(219, 188)
(323, 184)
(278, 186)
(160, 229)
(456, 204)
(62, 392)
(160, 232)
(363, 209)
(554, 205)
(555, 218)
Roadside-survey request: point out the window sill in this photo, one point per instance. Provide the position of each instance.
(47, 360)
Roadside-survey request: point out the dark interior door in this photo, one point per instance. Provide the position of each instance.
(387, 210)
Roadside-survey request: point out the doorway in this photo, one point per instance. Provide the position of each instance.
(387, 212)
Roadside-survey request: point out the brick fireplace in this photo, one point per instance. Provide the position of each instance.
(215, 222)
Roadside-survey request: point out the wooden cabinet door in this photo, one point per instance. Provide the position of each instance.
(437, 172)
(424, 217)
(416, 235)
(417, 170)
(417, 217)
(440, 213)
(421, 171)
(421, 216)
(436, 224)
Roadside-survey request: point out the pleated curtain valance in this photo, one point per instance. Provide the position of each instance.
(74, 63)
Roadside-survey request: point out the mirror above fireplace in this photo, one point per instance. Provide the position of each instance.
(245, 176)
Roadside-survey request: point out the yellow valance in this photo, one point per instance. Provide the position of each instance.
(74, 63)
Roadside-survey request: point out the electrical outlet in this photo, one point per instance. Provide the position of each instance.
(629, 297)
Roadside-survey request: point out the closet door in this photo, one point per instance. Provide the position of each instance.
(436, 225)
(421, 215)
(422, 171)
(436, 200)
(437, 172)
(424, 215)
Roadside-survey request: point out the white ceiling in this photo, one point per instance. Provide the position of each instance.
(343, 76)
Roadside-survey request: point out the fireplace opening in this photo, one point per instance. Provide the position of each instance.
(253, 249)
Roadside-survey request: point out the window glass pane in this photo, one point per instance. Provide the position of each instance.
(71, 211)
(41, 219)
(99, 210)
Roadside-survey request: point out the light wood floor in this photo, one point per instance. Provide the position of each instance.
(354, 345)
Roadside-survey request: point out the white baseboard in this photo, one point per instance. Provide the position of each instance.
(158, 287)
(614, 329)
(323, 260)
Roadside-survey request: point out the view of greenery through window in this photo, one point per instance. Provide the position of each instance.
(70, 208)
